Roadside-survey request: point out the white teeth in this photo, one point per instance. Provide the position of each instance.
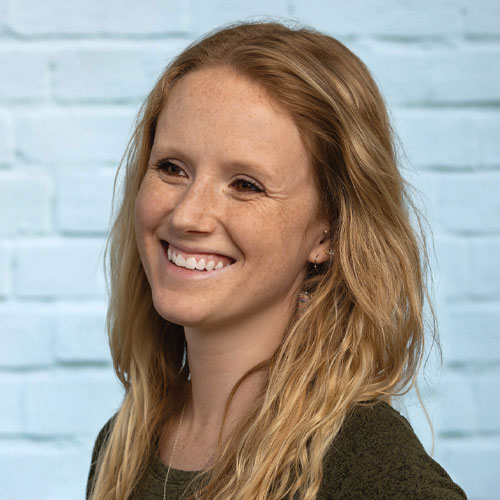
(179, 260)
(190, 263)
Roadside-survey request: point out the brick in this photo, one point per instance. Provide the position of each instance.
(456, 411)
(112, 17)
(412, 75)
(24, 74)
(466, 75)
(482, 18)
(415, 415)
(469, 202)
(424, 192)
(433, 137)
(207, 16)
(488, 396)
(450, 270)
(489, 145)
(11, 414)
(59, 268)
(3, 16)
(25, 203)
(456, 138)
(378, 17)
(6, 139)
(410, 407)
(471, 332)
(403, 75)
(5, 263)
(43, 471)
(26, 339)
(111, 74)
(83, 200)
(69, 403)
(474, 464)
(80, 334)
(484, 267)
(73, 137)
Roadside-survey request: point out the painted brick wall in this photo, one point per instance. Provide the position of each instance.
(73, 76)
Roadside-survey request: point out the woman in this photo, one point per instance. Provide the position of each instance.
(267, 287)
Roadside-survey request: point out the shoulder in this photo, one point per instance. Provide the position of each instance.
(98, 444)
(378, 455)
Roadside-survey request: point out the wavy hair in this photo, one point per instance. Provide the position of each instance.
(360, 339)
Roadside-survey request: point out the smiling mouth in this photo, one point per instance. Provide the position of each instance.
(196, 262)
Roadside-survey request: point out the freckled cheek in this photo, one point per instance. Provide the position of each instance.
(289, 240)
(263, 240)
(150, 208)
(142, 216)
(141, 233)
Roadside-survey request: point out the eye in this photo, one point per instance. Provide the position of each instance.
(248, 186)
(168, 167)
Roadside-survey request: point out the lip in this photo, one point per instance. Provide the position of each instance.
(184, 273)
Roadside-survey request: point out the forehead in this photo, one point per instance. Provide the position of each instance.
(216, 115)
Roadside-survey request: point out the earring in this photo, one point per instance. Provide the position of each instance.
(315, 262)
(303, 300)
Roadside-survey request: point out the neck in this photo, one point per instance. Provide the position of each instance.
(219, 358)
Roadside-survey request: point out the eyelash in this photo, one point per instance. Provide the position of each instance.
(163, 165)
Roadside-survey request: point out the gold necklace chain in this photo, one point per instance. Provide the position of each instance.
(173, 451)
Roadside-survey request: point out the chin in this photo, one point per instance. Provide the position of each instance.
(177, 313)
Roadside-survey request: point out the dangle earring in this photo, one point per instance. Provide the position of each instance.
(305, 296)
(303, 301)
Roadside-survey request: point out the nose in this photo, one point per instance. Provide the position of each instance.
(196, 208)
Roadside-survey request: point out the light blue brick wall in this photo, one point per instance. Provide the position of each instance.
(73, 76)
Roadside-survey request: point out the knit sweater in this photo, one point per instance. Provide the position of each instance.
(376, 455)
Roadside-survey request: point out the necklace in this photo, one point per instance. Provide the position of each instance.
(173, 451)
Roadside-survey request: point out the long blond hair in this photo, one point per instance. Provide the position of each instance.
(360, 339)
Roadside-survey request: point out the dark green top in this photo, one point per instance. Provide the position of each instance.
(376, 455)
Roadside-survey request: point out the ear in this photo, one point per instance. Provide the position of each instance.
(322, 244)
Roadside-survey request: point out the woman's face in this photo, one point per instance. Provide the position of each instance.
(228, 181)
